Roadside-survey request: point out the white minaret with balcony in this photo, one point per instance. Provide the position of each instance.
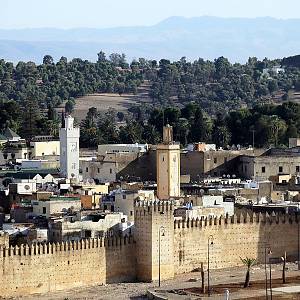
(69, 149)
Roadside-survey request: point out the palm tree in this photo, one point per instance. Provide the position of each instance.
(248, 262)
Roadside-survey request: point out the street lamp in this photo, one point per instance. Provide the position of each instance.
(268, 252)
(210, 241)
(161, 232)
(298, 236)
(270, 274)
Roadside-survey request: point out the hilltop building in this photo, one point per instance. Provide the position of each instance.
(69, 149)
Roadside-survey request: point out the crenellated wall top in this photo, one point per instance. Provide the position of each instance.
(69, 246)
(262, 218)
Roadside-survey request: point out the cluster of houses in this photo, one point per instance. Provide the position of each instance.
(50, 190)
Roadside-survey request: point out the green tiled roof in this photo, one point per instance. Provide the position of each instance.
(60, 198)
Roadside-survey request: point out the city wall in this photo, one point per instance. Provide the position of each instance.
(179, 246)
(233, 238)
(52, 267)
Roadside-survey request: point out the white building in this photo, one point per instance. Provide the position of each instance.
(122, 148)
(209, 201)
(275, 69)
(45, 148)
(69, 149)
(55, 205)
(125, 200)
(89, 227)
(39, 164)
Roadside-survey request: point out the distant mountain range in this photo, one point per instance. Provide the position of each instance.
(206, 37)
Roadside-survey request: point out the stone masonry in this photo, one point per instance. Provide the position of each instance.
(183, 247)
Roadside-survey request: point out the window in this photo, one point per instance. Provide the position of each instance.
(263, 169)
(297, 169)
(124, 197)
(280, 169)
(73, 166)
(131, 213)
(44, 210)
(110, 171)
(86, 169)
(215, 160)
(98, 170)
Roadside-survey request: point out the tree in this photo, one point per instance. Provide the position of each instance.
(151, 135)
(69, 106)
(221, 134)
(120, 116)
(48, 60)
(249, 263)
(31, 115)
(199, 130)
(101, 56)
(131, 134)
(10, 115)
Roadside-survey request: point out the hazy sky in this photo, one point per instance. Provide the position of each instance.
(109, 13)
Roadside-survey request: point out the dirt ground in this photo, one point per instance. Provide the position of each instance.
(231, 279)
(104, 101)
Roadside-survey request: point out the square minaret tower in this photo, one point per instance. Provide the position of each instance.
(168, 166)
(69, 149)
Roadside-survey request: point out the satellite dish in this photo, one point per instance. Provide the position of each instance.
(202, 192)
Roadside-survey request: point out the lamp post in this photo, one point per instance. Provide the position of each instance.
(210, 241)
(298, 238)
(270, 278)
(268, 252)
(161, 232)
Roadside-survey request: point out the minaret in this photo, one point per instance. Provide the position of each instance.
(69, 149)
(168, 166)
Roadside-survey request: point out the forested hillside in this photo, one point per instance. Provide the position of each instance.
(272, 125)
(201, 99)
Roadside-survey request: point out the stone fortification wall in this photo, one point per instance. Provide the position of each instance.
(51, 267)
(154, 235)
(233, 237)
